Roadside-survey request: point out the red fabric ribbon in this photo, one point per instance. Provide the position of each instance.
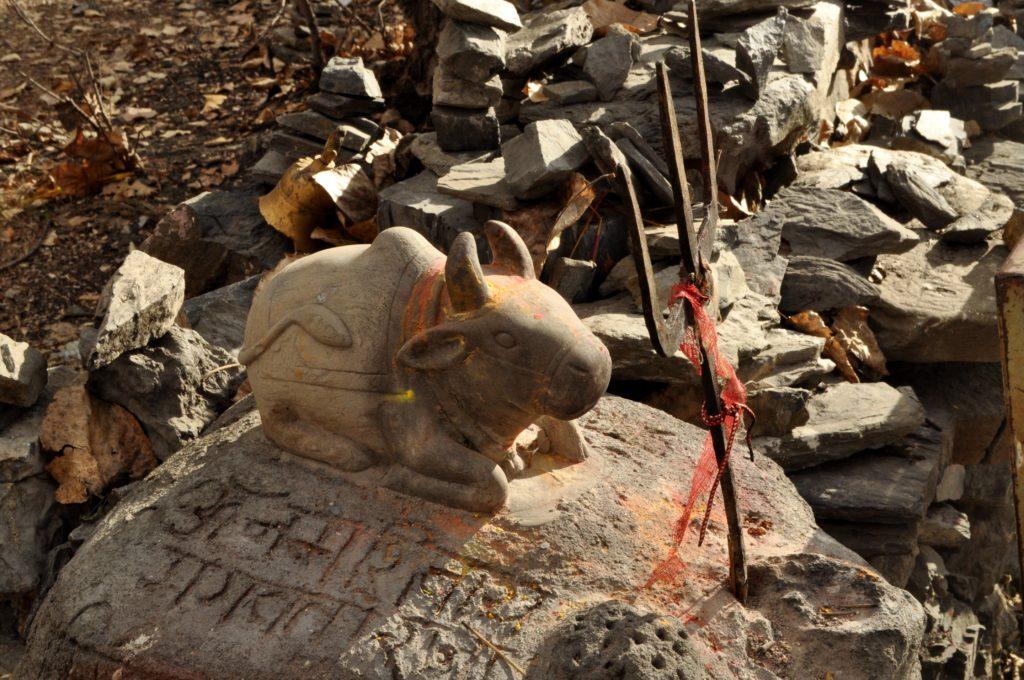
(708, 473)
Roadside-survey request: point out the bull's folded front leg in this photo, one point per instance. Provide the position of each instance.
(565, 438)
(449, 473)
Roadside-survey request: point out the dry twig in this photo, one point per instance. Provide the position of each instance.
(497, 650)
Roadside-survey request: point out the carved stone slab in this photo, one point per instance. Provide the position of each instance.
(236, 560)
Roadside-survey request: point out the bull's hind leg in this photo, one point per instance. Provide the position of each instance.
(307, 439)
(452, 475)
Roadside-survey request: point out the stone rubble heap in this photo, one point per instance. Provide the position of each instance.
(852, 276)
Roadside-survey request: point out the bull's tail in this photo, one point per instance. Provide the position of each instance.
(325, 326)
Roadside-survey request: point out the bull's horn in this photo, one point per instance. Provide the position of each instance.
(464, 276)
(510, 252)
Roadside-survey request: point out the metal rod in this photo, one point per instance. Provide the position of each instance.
(690, 252)
(1010, 300)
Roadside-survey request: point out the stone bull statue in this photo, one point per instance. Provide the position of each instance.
(388, 356)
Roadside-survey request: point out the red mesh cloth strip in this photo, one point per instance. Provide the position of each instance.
(708, 472)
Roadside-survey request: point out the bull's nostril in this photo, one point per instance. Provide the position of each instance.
(579, 368)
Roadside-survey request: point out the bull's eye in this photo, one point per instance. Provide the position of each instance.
(505, 339)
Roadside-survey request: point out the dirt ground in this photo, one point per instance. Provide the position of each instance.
(194, 84)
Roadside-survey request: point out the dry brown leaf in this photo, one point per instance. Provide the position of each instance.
(969, 9)
(811, 323)
(352, 192)
(851, 330)
(604, 13)
(534, 92)
(534, 223)
(97, 443)
(298, 205)
(577, 196)
(212, 102)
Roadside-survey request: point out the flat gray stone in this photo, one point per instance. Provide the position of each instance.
(546, 153)
(480, 182)
(788, 358)
(340, 107)
(844, 419)
(894, 484)
(233, 556)
(937, 303)
(428, 152)
(571, 92)
(418, 204)
(471, 51)
(348, 76)
(162, 386)
(465, 129)
(308, 123)
(138, 304)
(989, 68)
(546, 36)
(497, 13)
(945, 527)
(913, 192)
(609, 60)
(819, 284)
(22, 372)
(450, 90)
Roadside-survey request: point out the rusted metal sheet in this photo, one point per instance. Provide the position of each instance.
(1010, 299)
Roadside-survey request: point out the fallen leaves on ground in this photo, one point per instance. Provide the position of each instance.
(812, 323)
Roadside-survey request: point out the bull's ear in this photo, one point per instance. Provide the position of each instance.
(433, 350)
(510, 251)
(463, 275)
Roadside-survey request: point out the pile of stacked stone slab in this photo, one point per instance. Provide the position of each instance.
(467, 83)
(856, 303)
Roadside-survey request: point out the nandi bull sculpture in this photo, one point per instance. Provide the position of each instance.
(390, 357)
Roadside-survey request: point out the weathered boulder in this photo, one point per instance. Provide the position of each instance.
(937, 303)
(235, 559)
(219, 316)
(756, 49)
(892, 484)
(818, 284)
(835, 224)
(844, 419)
(138, 304)
(217, 237)
(863, 169)
(22, 373)
(890, 548)
(163, 386)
